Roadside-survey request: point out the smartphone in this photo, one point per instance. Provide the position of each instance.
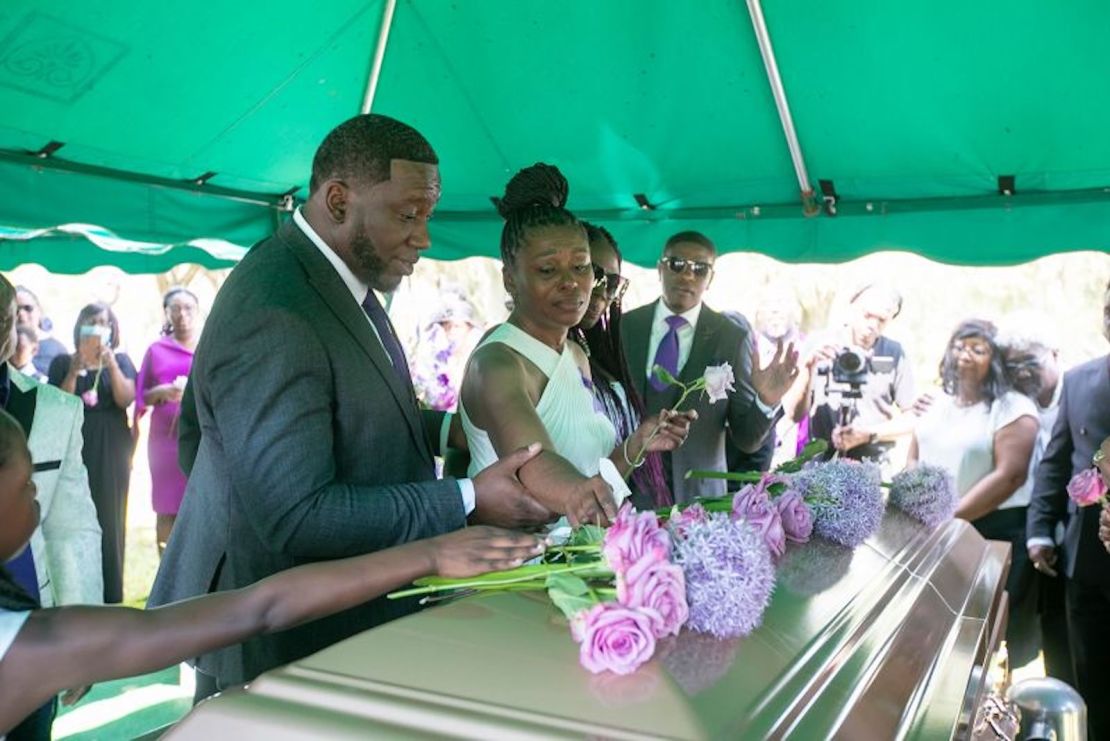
(91, 338)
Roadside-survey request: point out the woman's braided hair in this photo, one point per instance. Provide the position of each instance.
(534, 197)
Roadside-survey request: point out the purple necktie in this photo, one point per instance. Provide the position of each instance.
(667, 353)
(380, 320)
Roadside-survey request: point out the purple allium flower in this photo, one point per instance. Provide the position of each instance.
(926, 493)
(846, 499)
(729, 576)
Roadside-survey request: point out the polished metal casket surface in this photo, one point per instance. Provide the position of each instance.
(1050, 709)
(888, 641)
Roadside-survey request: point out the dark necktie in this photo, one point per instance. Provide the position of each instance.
(666, 356)
(384, 327)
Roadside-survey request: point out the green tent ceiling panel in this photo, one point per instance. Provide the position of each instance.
(199, 122)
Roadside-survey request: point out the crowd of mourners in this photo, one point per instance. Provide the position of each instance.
(297, 429)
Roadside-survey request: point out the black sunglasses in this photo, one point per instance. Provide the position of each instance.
(679, 265)
(613, 284)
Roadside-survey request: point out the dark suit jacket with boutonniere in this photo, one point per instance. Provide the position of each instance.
(310, 448)
(737, 421)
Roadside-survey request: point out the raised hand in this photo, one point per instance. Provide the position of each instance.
(590, 503)
(500, 498)
(771, 382)
(476, 550)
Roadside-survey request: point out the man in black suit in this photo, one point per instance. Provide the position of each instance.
(680, 329)
(1082, 425)
(308, 441)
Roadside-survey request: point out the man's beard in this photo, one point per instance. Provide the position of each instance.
(371, 267)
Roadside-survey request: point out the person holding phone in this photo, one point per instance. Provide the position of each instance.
(105, 381)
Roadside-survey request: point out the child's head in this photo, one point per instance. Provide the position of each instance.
(19, 511)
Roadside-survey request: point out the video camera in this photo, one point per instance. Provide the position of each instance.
(849, 371)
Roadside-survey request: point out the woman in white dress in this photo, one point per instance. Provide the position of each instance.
(983, 433)
(527, 383)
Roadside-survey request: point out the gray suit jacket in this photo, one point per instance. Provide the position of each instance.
(737, 421)
(1083, 423)
(310, 448)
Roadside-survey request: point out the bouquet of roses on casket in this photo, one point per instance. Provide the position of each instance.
(708, 566)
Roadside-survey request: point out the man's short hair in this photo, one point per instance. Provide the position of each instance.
(894, 296)
(691, 236)
(362, 147)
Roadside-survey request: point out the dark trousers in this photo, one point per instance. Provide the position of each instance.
(37, 725)
(1054, 627)
(1088, 618)
(1023, 631)
(207, 685)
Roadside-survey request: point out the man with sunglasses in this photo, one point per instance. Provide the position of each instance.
(680, 333)
(1082, 424)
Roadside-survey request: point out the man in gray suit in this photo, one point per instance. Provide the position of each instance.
(309, 443)
(685, 336)
(1081, 426)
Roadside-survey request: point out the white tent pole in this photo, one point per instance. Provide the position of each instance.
(379, 55)
(755, 10)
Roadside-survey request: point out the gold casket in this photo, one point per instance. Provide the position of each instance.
(891, 640)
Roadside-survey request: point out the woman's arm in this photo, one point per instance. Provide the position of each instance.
(123, 388)
(498, 396)
(75, 646)
(912, 454)
(1013, 447)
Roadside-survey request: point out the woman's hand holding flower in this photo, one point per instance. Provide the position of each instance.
(662, 432)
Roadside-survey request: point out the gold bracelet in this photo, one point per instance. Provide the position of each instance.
(624, 450)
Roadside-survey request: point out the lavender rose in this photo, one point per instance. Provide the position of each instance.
(656, 584)
(631, 535)
(718, 382)
(752, 505)
(613, 638)
(797, 520)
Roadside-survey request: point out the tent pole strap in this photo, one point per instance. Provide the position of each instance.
(755, 10)
(379, 55)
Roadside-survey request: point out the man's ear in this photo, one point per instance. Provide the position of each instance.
(335, 200)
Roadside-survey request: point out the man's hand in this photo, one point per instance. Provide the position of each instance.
(922, 403)
(772, 382)
(591, 503)
(846, 437)
(476, 550)
(1043, 558)
(1104, 528)
(500, 498)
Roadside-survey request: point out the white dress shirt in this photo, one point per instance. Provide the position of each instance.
(359, 291)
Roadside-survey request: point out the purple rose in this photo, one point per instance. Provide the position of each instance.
(90, 398)
(682, 520)
(797, 520)
(631, 535)
(613, 638)
(660, 586)
(752, 505)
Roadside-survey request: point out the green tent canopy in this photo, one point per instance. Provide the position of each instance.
(966, 132)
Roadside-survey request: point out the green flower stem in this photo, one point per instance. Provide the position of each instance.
(751, 477)
(591, 547)
(697, 385)
(488, 583)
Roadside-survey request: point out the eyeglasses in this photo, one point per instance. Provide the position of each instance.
(679, 265)
(613, 284)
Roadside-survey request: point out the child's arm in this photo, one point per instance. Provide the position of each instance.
(74, 646)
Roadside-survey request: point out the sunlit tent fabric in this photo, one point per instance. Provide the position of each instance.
(198, 121)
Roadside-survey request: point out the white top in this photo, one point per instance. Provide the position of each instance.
(10, 624)
(659, 327)
(580, 433)
(961, 439)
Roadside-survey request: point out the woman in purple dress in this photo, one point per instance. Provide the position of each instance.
(159, 386)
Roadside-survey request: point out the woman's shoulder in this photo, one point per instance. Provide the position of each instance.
(1012, 405)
